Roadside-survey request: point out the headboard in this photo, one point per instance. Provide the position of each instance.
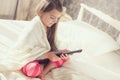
(100, 20)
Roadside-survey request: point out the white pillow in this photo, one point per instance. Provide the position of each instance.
(80, 35)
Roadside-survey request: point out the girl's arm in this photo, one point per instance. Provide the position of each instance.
(51, 56)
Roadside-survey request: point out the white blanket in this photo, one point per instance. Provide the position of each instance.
(21, 44)
(23, 41)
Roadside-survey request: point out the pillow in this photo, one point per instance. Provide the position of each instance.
(80, 35)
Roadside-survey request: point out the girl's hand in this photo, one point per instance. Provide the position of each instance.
(52, 56)
(64, 56)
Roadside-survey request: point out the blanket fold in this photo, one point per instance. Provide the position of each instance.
(29, 45)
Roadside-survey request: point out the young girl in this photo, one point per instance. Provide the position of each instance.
(49, 14)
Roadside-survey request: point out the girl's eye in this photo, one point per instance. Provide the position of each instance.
(52, 17)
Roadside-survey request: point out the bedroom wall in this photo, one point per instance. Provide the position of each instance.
(8, 9)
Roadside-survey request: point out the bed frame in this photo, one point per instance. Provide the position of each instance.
(105, 23)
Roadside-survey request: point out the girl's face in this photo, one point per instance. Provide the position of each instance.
(50, 18)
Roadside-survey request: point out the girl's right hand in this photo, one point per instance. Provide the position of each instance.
(52, 56)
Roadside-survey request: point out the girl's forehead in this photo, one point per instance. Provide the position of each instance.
(55, 13)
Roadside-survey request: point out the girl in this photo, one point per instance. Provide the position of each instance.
(49, 14)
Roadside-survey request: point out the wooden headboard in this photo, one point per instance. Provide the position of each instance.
(100, 20)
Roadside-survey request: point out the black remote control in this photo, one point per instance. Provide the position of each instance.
(70, 52)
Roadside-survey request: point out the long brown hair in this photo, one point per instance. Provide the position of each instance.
(52, 4)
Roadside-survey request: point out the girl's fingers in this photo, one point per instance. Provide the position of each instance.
(64, 56)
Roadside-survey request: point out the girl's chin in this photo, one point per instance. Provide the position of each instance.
(50, 25)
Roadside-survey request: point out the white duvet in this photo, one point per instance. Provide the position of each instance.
(20, 39)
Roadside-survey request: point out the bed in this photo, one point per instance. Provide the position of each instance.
(99, 59)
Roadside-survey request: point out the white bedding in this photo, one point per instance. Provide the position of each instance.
(96, 62)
